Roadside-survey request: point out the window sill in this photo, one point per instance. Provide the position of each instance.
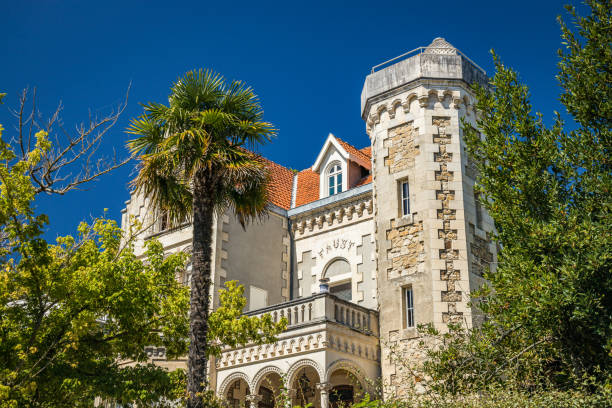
(404, 220)
(409, 333)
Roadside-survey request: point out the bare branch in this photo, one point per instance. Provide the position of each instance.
(74, 160)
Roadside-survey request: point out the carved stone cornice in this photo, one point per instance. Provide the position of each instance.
(343, 213)
(327, 338)
(425, 94)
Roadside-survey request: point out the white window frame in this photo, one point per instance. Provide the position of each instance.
(408, 303)
(334, 173)
(404, 198)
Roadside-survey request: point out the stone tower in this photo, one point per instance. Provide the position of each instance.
(432, 236)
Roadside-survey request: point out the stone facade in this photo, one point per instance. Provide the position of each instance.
(406, 251)
(413, 110)
(401, 148)
(349, 264)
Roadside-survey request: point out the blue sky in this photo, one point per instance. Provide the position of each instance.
(306, 60)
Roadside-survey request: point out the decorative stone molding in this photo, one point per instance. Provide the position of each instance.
(324, 386)
(156, 353)
(323, 389)
(343, 214)
(423, 101)
(254, 385)
(254, 400)
(350, 345)
(284, 347)
(425, 94)
(230, 379)
(306, 362)
(347, 365)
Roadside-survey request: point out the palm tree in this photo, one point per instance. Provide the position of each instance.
(195, 160)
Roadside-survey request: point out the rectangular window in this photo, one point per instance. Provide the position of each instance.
(405, 198)
(408, 308)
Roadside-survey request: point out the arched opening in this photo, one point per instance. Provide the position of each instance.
(346, 388)
(338, 271)
(269, 389)
(304, 387)
(236, 393)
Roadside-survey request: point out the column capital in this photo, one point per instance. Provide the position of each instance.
(324, 386)
(254, 398)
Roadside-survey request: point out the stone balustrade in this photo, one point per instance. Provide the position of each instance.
(323, 307)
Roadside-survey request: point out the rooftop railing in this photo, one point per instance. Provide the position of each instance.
(430, 50)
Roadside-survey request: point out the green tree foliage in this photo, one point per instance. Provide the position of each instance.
(229, 327)
(193, 163)
(77, 314)
(70, 312)
(547, 188)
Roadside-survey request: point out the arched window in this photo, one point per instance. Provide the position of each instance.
(334, 179)
(341, 286)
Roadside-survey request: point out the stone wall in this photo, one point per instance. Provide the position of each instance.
(401, 147)
(407, 249)
(416, 138)
(257, 256)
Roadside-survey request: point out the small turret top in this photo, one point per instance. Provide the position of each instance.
(437, 61)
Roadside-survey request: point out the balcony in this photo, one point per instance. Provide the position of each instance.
(323, 307)
(328, 340)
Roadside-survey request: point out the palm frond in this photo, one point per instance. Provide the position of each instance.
(151, 135)
(165, 187)
(197, 90)
(245, 192)
(204, 126)
(156, 111)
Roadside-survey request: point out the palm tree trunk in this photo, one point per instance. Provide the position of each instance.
(203, 211)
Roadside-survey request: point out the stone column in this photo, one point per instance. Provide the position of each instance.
(324, 388)
(291, 393)
(253, 400)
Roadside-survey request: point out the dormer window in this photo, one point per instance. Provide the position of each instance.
(334, 179)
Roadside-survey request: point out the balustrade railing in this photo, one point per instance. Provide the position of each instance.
(323, 307)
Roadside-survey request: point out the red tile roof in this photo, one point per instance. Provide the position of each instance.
(354, 152)
(281, 183)
(307, 187)
(366, 180)
(367, 151)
